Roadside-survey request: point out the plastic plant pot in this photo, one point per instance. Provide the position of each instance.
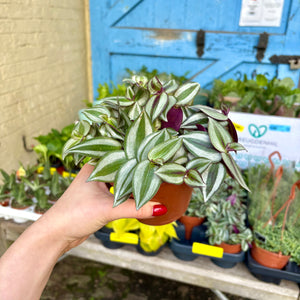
(104, 235)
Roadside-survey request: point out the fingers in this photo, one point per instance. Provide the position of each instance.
(128, 210)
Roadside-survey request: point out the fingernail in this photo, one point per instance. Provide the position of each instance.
(159, 210)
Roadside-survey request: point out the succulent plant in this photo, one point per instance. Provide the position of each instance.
(155, 134)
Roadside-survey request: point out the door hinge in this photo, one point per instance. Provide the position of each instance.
(292, 60)
(262, 46)
(200, 42)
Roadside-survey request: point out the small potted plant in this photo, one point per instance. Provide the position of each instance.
(155, 144)
(42, 201)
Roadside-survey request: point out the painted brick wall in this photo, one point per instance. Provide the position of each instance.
(43, 71)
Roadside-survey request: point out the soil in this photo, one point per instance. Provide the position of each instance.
(81, 279)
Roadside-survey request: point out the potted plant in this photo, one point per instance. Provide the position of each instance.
(155, 144)
(42, 201)
(195, 213)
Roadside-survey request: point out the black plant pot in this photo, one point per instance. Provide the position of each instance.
(290, 272)
(146, 253)
(104, 235)
(229, 260)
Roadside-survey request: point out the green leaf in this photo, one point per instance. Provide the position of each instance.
(113, 132)
(234, 170)
(200, 164)
(186, 93)
(145, 183)
(170, 104)
(199, 144)
(213, 176)
(94, 114)
(164, 151)
(136, 133)
(115, 100)
(159, 107)
(193, 179)
(95, 147)
(170, 86)
(219, 136)
(154, 85)
(108, 166)
(123, 182)
(134, 111)
(81, 129)
(197, 118)
(235, 147)
(68, 145)
(171, 173)
(211, 112)
(151, 141)
(261, 80)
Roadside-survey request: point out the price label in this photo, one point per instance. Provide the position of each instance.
(207, 250)
(238, 127)
(126, 238)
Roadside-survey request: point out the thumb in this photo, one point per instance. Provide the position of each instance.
(128, 210)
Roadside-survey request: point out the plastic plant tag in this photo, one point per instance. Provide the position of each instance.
(260, 237)
(207, 250)
(239, 127)
(126, 237)
(67, 174)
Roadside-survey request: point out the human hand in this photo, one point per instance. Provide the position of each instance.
(85, 207)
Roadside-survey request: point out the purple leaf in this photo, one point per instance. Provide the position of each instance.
(232, 199)
(201, 127)
(174, 116)
(235, 229)
(232, 131)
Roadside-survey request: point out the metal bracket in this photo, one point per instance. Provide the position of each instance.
(200, 42)
(262, 46)
(292, 60)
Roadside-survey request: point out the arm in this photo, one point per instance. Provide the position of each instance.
(83, 209)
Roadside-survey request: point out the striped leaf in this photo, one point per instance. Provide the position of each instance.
(213, 177)
(115, 100)
(219, 136)
(211, 112)
(170, 86)
(68, 145)
(154, 85)
(134, 111)
(164, 151)
(193, 179)
(141, 96)
(235, 147)
(130, 93)
(159, 106)
(108, 166)
(145, 183)
(81, 129)
(136, 133)
(171, 102)
(198, 143)
(182, 160)
(197, 118)
(94, 114)
(234, 169)
(114, 133)
(95, 147)
(186, 93)
(150, 142)
(171, 173)
(199, 164)
(123, 182)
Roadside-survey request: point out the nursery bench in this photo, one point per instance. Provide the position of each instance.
(200, 272)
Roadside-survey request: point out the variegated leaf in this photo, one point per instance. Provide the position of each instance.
(81, 129)
(68, 145)
(150, 142)
(213, 177)
(198, 143)
(108, 166)
(218, 135)
(154, 85)
(145, 183)
(123, 182)
(134, 111)
(115, 100)
(199, 164)
(95, 147)
(171, 173)
(164, 151)
(141, 96)
(95, 114)
(159, 106)
(182, 160)
(197, 118)
(130, 93)
(235, 147)
(136, 133)
(234, 169)
(186, 93)
(114, 133)
(171, 102)
(170, 86)
(193, 179)
(211, 112)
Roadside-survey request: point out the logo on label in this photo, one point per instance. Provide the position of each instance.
(257, 131)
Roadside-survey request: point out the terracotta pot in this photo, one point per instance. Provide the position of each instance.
(176, 198)
(189, 223)
(4, 202)
(232, 249)
(269, 259)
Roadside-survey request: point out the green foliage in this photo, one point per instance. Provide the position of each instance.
(197, 207)
(150, 136)
(226, 217)
(259, 95)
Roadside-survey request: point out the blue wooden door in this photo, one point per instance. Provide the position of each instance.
(162, 35)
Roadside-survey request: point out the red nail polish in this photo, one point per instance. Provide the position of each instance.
(159, 210)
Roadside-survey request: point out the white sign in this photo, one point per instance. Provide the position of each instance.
(261, 135)
(261, 13)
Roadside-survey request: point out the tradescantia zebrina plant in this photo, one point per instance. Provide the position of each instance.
(155, 134)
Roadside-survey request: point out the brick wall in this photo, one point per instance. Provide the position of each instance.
(44, 71)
